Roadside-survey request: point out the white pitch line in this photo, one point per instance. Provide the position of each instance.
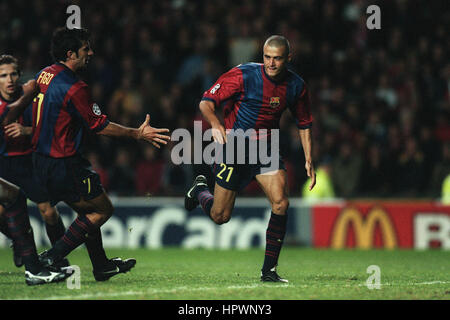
(409, 284)
(184, 288)
(152, 292)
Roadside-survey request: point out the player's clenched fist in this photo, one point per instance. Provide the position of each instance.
(153, 135)
(31, 87)
(30, 90)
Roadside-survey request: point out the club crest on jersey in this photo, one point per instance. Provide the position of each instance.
(216, 87)
(96, 109)
(274, 102)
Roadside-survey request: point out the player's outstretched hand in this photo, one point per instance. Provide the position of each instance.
(153, 135)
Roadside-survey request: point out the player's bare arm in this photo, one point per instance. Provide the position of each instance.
(218, 131)
(30, 90)
(306, 140)
(145, 132)
(15, 130)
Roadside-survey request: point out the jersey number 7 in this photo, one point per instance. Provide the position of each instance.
(39, 98)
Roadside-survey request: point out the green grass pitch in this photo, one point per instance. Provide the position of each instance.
(173, 274)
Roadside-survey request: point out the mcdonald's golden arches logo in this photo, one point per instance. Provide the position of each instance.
(364, 228)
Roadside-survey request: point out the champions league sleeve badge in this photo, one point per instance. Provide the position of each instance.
(216, 87)
(96, 109)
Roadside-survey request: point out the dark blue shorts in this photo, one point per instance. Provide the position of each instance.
(19, 171)
(68, 179)
(235, 175)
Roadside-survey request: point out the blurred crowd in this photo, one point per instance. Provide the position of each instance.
(380, 98)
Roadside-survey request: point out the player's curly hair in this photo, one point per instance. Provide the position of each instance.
(65, 39)
(9, 59)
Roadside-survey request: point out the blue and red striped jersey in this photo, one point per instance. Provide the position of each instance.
(14, 146)
(251, 99)
(62, 111)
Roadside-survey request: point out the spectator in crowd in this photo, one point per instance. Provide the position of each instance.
(375, 174)
(94, 159)
(346, 171)
(150, 171)
(122, 175)
(410, 164)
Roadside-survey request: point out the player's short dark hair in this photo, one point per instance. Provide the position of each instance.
(9, 59)
(278, 41)
(65, 39)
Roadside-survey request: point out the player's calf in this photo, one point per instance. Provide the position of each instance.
(18, 222)
(74, 236)
(98, 210)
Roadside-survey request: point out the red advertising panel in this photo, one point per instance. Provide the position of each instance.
(387, 225)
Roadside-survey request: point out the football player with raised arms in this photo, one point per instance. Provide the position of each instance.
(254, 96)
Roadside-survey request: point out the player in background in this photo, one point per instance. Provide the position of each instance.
(15, 151)
(62, 112)
(254, 96)
(13, 206)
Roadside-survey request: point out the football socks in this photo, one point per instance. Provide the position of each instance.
(74, 236)
(20, 230)
(94, 246)
(56, 231)
(274, 240)
(205, 198)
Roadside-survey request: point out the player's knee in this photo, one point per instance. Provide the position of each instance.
(99, 217)
(107, 210)
(105, 214)
(280, 206)
(220, 216)
(102, 206)
(221, 220)
(49, 214)
(8, 193)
